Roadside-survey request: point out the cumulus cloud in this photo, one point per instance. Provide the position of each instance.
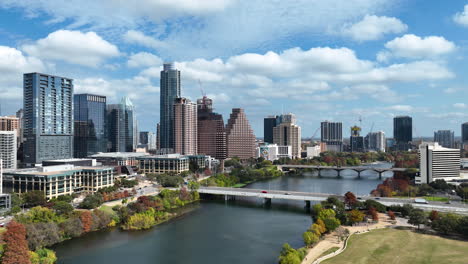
(400, 108)
(460, 105)
(373, 27)
(75, 47)
(412, 46)
(138, 37)
(143, 59)
(461, 18)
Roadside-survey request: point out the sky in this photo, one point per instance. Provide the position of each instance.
(339, 60)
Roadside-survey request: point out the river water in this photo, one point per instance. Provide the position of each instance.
(212, 232)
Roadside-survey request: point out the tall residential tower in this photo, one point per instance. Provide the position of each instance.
(185, 127)
(170, 90)
(239, 136)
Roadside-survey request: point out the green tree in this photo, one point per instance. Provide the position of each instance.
(42, 235)
(34, 198)
(62, 208)
(310, 238)
(446, 223)
(417, 217)
(193, 166)
(326, 213)
(331, 223)
(38, 214)
(43, 256)
(167, 180)
(355, 216)
(92, 201)
(374, 204)
(193, 186)
(289, 255)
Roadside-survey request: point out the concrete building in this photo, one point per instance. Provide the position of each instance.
(152, 141)
(8, 149)
(332, 135)
(59, 180)
(48, 117)
(211, 131)
(5, 199)
(402, 132)
(273, 152)
(170, 90)
(314, 151)
(119, 158)
(437, 162)
(185, 127)
(170, 163)
(356, 141)
(239, 136)
(9, 123)
(120, 126)
(287, 133)
(375, 141)
(268, 124)
(90, 125)
(445, 138)
(464, 136)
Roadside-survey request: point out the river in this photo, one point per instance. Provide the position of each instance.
(212, 232)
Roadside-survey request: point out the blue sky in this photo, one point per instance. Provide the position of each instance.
(322, 60)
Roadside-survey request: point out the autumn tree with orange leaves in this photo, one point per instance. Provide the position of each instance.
(87, 220)
(16, 246)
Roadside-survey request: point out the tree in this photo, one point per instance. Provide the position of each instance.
(391, 214)
(34, 198)
(42, 235)
(462, 227)
(326, 213)
(417, 217)
(62, 208)
(43, 256)
(376, 205)
(16, 246)
(446, 224)
(193, 186)
(321, 225)
(92, 201)
(350, 199)
(331, 223)
(193, 166)
(72, 227)
(355, 216)
(86, 220)
(310, 238)
(167, 180)
(38, 214)
(289, 255)
(434, 215)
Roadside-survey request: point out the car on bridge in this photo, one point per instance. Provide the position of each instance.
(264, 192)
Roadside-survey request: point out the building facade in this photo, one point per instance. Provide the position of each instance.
(287, 133)
(239, 136)
(8, 149)
(332, 135)
(437, 162)
(171, 163)
(120, 126)
(268, 124)
(90, 125)
(464, 135)
(273, 152)
(9, 123)
(48, 117)
(445, 138)
(211, 131)
(356, 141)
(170, 90)
(402, 132)
(55, 181)
(375, 141)
(185, 127)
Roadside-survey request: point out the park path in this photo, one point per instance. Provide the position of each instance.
(333, 240)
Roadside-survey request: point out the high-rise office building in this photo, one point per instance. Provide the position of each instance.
(437, 162)
(48, 117)
(90, 124)
(464, 135)
(144, 137)
(170, 90)
(287, 133)
(402, 132)
(9, 123)
(20, 116)
(239, 136)
(8, 149)
(332, 135)
(158, 136)
(375, 141)
(268, 124)
(445, 138)
(211, 131)
(120, 122)
(356, 141)
(152, 141)
(185, 127)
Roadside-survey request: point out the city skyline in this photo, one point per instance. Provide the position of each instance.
(376, 59)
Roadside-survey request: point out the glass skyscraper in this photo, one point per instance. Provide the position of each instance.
(90, 124)
(120, 126)
(170, 90)
(48, 117)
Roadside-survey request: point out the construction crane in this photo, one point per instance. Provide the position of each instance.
(201, 88)
(315, 133)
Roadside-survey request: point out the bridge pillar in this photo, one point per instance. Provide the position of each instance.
(339, 173)
(267, 201)
(307, 204)
(380, 174)
(359, 174)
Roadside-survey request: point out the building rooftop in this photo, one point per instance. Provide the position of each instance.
(54, 170)
(119, 155)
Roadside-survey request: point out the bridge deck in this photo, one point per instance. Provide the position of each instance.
(340, 167)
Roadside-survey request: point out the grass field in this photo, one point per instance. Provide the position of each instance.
(402, 247)
(329, 251)
(436, 198)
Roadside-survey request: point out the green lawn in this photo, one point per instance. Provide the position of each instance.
(329, 251)
(437, 199)
(402, 247)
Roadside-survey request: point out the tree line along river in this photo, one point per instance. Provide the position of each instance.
(232, 232)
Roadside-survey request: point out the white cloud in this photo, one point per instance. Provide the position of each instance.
(412, 46)
(460, 105)
(400, 108)
(138, 37)
(373, 27)
(461, 18)
(451, 90)
(143, 59)
(75, 47)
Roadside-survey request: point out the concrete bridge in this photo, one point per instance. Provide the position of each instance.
(307, 197)
(339, 169)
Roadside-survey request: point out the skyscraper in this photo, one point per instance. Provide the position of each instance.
(375, 141)
(437, 162)
(356, 140)
(332, 135)
(445, 138)
(211, 131)
(9, 123)
(90, 124)
(144, 137)
(185, 127)
(268, 124)
(239, 136)
(170, 90)
(48, 117)
(120, 122)
(8, 149)
(287, 133)
(464, 135)
(402, 131)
